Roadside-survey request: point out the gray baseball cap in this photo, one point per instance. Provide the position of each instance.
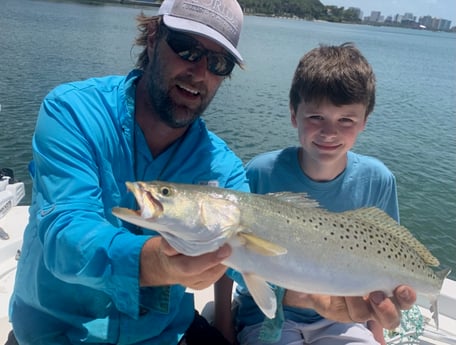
(218, 20)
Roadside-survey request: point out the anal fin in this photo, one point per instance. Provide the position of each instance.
(262, 294)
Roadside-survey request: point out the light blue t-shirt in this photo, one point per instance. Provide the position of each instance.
(78, 275)
(365, 182)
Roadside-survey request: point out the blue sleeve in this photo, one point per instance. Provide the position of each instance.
(237, 179)
(82, 242)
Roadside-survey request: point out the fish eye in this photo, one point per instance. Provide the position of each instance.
(165, 191)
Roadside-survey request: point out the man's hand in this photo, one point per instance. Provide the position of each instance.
(376, 306)
(162, 265)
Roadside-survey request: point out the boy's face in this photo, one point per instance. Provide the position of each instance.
(326, 132)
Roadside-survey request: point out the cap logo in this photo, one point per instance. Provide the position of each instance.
(216, 14)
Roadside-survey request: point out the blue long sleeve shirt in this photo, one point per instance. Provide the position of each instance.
(78, 275)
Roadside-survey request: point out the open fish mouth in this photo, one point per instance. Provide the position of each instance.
(149, 207)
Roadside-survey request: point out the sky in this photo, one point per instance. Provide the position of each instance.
(445, 9)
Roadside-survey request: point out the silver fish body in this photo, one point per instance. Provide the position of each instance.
(287, 240)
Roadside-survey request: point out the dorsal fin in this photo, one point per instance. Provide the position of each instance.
(300, 200)
(382, 220)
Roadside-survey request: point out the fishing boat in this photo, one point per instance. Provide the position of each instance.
(13, 219)
(416, 328)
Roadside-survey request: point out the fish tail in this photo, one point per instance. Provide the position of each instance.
(442, 274)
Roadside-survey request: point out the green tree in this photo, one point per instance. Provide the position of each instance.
(309, 9)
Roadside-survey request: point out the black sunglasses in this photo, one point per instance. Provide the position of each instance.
(189, 49)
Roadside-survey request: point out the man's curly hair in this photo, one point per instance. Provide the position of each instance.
(144, 27)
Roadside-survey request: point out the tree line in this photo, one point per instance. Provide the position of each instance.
(305, 9)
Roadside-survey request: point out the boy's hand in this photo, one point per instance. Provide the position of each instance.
(376, 306)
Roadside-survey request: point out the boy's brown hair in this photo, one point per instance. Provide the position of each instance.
(339, 74)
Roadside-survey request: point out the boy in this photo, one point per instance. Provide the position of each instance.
(331, 96)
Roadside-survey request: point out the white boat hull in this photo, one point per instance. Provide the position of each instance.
(14, 224)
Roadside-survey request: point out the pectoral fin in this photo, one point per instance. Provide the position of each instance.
(262, 294)
(261, 246)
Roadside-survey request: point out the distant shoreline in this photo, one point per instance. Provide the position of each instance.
(143, 3)
(139, 2)
(113, 2)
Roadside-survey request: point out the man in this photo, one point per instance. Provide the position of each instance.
(84, 276)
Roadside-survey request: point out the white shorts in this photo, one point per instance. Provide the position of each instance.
(323, 332)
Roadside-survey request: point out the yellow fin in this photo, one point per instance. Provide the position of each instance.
(261, 246)
(382, 220)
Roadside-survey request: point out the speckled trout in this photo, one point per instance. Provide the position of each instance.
(288, 240)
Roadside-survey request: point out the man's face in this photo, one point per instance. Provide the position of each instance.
(179, 90)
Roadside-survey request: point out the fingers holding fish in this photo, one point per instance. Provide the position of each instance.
(358, 309)
(331, 307)
(342, 309)
(347, 309)
(199, 272)
(162, 265)
(388, 310)
(385, 310)
(405, 297)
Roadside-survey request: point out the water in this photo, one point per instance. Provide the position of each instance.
(412, 128)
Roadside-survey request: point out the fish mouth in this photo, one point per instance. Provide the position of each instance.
(149, 207)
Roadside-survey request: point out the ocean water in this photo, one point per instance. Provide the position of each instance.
(412, 128)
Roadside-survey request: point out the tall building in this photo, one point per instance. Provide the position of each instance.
(444, 24)
(409, 17)
(433, 23)
(375, 16)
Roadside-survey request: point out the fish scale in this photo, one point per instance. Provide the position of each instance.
(286, 239)
(352, 235)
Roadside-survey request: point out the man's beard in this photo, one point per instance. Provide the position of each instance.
(159, 98)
